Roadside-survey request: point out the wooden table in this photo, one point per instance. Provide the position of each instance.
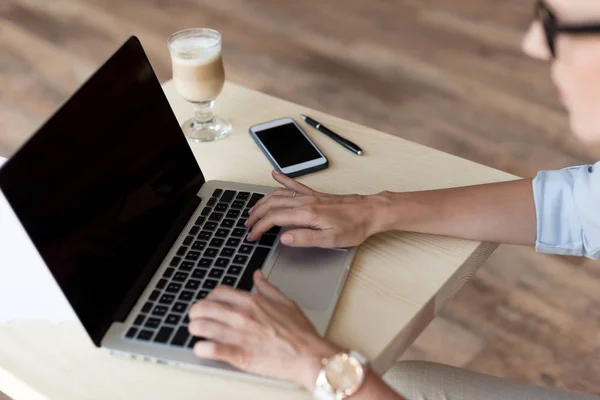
(398, 282)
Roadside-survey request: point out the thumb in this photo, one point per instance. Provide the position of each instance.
(307, 238)
(291, 184)
(264, 288)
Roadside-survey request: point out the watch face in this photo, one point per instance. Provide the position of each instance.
(344, 373)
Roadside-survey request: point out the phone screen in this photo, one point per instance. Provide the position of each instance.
(287, 145)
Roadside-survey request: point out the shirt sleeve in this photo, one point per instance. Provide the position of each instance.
(567, 204)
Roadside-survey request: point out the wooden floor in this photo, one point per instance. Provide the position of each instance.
(448, 74)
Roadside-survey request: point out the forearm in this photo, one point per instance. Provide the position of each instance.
(499, 212)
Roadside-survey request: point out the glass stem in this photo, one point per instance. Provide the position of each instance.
(203, 112)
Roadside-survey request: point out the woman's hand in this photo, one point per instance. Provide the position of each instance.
(326, 220)
(265, 333)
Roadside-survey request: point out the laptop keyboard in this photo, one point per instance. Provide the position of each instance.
(214, 252)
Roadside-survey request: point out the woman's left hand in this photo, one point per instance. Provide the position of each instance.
(265, 333)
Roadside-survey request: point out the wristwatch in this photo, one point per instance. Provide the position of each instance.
(341, 376)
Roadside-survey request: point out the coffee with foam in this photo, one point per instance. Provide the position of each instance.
(198, 72)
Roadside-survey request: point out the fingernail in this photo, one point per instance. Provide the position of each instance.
(250, 211)
(248, 237)
(287, 239)
(276, 172)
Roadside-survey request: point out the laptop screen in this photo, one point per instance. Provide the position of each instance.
(99, 187)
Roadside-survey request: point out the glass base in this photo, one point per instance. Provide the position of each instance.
(216, 129)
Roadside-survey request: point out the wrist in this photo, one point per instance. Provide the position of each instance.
(311, 364)
(382, 210)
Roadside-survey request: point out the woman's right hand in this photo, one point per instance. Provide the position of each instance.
(322, 220)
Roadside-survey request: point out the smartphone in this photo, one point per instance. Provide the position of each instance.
(288, 147)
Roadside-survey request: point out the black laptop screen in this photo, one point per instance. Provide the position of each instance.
(101, 184)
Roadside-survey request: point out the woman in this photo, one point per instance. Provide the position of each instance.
(558, 212)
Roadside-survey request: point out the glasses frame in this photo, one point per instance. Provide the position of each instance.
(547, 17)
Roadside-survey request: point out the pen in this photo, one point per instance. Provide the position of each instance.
(344, 142)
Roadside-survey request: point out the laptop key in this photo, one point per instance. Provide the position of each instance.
(172, 319)
(154, 295)
(188, 240)
(234, 270)
(199, 245)
(210, 226)
(175, 261)
(227, 252)
(194, 230)
(199, 273)
(241, 223)
(180, 252)
(254, 199)
(131, 332)
(186, 295)
(245, 249)
(216, 273)
(239, 259)
(186, 319)
(274, 230)
(192, 284)
(229, 281)
(238, 232)
(210, 252)
(205, 262)
(192, 255)
(204, 235)
(173, 287)
(221, 207)
(238, 204)
(233, 242)
(145, 335)
(222, 233)
(206, 211)
(211, 202)
(256, 262)
(186, 266)
(202, 294)
(227, 196)
(163, 334)
(180, 277)
(216, 216)
(222, 263)
(217, 193)
(200, 221)
(169, 272)
(267, 240)
(139, 320)
(147, 307)
(166, 299)
(243, 196)
(233, 214)
(216, 242)
(227, 223)
(210, 284)
(152, 323)
(180, 307)
(181, 336)
(161, 284)
(159, 311)
(246, 213)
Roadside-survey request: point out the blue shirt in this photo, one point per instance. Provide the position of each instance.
(567, 204)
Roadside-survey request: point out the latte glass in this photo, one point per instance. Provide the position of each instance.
(198, 75)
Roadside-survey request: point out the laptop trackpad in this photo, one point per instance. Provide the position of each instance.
(308, 276)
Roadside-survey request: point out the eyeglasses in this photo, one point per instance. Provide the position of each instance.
(552, 27)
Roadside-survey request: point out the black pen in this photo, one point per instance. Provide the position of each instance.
(344, 142)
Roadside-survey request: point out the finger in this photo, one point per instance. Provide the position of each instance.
(267, 290)
(229, 295)
(217, 331)
(228, 353)
(275, 193)
(235, 317)
(291, 184)
(308, 238)
(274, 203)
(282, 217)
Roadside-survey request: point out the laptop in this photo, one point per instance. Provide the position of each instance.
(113, 199)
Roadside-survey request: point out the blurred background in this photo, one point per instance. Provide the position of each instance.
(446, 74)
